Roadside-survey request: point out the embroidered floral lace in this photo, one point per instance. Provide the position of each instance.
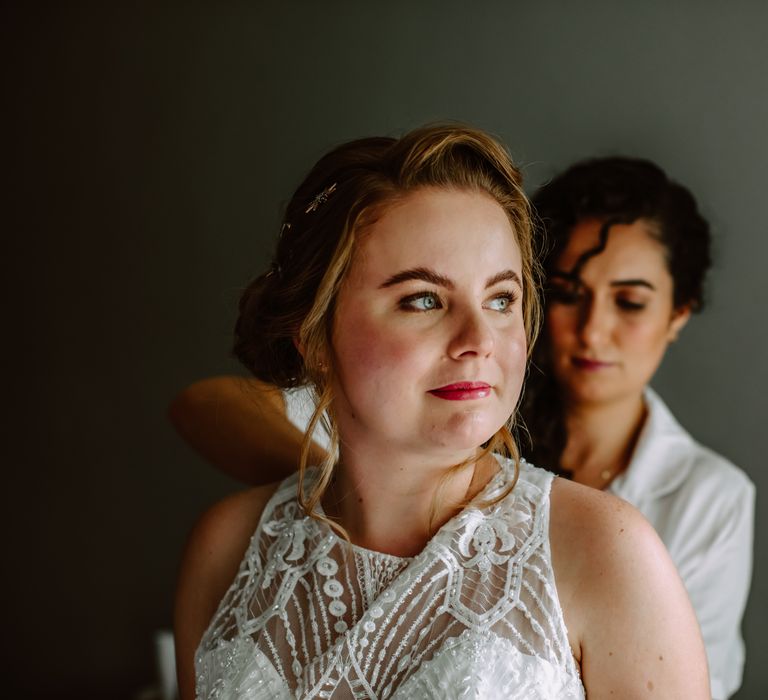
(474, 615)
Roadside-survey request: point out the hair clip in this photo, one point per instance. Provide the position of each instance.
(274, 269)
(321, 198)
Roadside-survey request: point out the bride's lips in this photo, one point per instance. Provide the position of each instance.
(462, 391)
(590, 365)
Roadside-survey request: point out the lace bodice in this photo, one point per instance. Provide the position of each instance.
(474, 615)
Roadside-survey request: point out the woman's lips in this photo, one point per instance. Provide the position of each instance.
(590, 365)
(462, 391)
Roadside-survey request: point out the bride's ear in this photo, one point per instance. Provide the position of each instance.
(679, 318)
(301, 349)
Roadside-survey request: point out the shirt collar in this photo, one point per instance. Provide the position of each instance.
(661, 459)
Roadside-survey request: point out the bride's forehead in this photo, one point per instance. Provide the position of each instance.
(462, 261)
(435, 218)
(460, 234)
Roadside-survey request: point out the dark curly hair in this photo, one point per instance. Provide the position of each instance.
(614, 190)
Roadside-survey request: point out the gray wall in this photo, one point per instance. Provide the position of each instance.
(150, 149)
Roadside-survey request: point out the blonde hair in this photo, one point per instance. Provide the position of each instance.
(294, 302)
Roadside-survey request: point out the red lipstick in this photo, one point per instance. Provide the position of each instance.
(462, 391)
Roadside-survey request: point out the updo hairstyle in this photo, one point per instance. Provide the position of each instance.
(292, 304)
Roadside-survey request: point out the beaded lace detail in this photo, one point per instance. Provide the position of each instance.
(474, 615)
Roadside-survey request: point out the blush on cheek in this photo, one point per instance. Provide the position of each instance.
(514, 365)
(370, 362)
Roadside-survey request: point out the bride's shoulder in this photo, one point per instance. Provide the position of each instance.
(609, 561)
(212, 556)
(619, 589)
(591, 506)
(221, 535)
(587, 525)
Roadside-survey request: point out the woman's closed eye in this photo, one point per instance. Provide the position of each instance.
(629, 304)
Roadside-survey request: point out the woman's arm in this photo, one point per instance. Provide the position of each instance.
(240, 426)
(631, 624)
(211, 559)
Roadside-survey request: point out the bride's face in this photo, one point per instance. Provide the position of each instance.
(429, 343)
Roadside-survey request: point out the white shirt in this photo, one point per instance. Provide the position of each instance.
(702, 507)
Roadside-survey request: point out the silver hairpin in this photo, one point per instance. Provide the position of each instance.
(321, 198)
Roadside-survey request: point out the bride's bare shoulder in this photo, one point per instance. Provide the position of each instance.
(210, 562)
(592, 536)
(589, 526)
(221, 535)
(592, 510)
(619, 589)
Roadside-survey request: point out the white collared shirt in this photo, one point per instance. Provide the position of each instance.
(702, 507)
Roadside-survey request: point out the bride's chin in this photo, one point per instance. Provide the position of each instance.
(468, 432)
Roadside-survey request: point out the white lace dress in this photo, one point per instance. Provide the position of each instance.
(474, 615)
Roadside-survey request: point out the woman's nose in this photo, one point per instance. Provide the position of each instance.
(472, 336)
(594, 323)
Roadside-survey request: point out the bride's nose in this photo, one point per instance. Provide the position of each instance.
(471, 336)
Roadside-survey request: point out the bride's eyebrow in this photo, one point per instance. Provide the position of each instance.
(418, 273)
(505, 276)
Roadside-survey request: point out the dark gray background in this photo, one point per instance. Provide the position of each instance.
(150, 148)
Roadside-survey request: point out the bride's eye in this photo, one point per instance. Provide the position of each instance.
(421, 301)
(502, 302)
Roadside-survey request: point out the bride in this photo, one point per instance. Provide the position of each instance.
(422, 558)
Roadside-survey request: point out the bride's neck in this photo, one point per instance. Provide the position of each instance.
(393, 506)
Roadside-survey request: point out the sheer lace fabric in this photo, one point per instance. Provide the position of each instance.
(474, 615)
